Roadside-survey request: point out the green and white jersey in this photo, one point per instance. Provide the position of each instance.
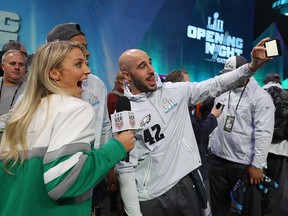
(62, 166)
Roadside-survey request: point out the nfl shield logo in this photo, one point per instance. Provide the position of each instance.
(131, 119)
(118, 121)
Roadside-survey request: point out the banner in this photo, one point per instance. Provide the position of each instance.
(194, 35)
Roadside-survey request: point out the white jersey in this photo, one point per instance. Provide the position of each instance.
(95, 93)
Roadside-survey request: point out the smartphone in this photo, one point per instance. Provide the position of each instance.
(273, 48)
(219, 105)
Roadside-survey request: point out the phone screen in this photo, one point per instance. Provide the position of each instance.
(218, 105)
(272, 48)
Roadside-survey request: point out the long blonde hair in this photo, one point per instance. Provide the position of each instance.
(48, 57)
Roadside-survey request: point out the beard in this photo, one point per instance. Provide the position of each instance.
(142, 86)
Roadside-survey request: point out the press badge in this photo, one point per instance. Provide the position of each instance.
(229, 123)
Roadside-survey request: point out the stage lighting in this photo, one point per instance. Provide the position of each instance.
(282, 5)
(285, 84)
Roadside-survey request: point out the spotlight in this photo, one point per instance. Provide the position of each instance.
(282, 5)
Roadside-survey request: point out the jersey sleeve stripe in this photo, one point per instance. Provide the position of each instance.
(56, 192)
(61, 168)
(66, 149)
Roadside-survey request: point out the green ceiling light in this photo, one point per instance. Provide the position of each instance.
(282, 5)
(285, 83)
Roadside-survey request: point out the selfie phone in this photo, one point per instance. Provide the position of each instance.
(273, 48)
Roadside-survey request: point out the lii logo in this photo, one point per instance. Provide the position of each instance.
(218, 43)
(168, 105)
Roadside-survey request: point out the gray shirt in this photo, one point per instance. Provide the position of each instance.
(9, 95)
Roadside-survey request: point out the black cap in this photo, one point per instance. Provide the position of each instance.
(272, 77)
(64, 32)
(233, 63)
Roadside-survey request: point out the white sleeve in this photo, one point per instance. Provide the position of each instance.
(106, 133)
(96, 94)
(264, 126)
(129, 194)
(199, 91)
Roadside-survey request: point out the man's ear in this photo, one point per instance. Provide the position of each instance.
(126, 75)
(54, 75)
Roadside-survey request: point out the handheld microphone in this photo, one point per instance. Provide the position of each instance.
(123, 104)
(123, 119)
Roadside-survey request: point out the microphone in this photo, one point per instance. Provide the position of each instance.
(123, 118)
(123, 104)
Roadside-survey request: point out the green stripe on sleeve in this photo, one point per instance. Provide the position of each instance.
(91, 168)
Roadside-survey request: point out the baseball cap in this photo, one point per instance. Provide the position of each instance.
(233, 63)
(64, 32)
(274, 77)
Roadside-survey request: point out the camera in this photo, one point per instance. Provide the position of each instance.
(273, 48)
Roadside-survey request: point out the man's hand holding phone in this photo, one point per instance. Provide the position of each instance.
(273, 48)
(217, 110)
(258, 55)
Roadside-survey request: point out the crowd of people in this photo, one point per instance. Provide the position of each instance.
(57, 148)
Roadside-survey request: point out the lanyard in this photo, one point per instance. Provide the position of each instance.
(238, 100)
(14, 92)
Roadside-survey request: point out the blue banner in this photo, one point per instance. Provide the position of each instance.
(194, 35)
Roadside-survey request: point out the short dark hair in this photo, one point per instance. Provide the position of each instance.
(272, 77)
(176, 75)
(12, 45)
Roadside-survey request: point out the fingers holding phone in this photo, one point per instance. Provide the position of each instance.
(217, 110)
(273, 48)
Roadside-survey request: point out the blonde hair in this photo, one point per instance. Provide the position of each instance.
(48, 57)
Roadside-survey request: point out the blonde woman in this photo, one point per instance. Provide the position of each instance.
(48, 165)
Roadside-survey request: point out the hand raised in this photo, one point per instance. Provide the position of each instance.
(258, 55)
